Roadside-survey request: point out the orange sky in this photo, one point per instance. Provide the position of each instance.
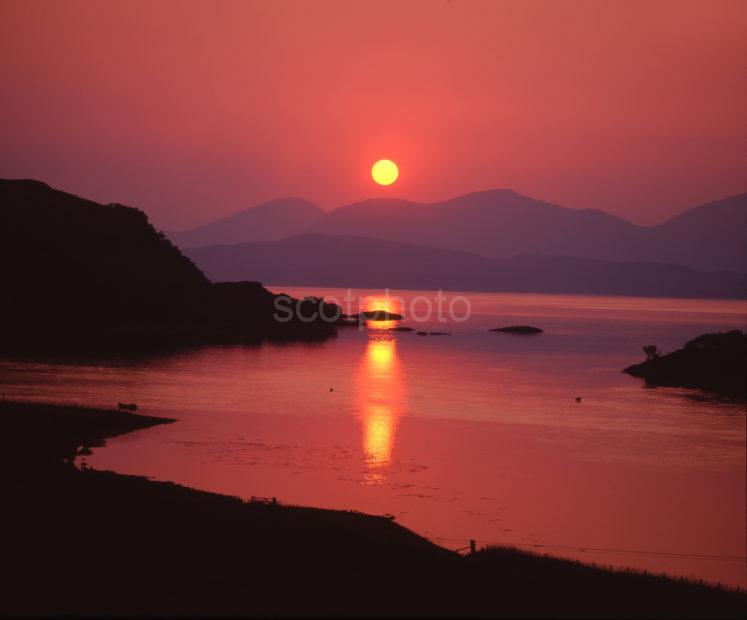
(193, 110)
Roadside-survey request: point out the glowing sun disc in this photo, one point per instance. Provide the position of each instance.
(384, 172)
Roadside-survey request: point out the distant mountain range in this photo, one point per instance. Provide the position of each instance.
(68, 264)
(502, 223)
(276, 219)
(348, 261)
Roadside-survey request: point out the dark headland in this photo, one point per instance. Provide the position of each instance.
(86, 542)
(715, 363)
(79, 276)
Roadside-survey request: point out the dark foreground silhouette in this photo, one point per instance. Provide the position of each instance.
(91, 542)
(712, 362)
(81, 276)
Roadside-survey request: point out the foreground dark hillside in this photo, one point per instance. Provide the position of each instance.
(92, 543)
(78, 274)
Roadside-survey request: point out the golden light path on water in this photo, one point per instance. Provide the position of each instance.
(380, 394)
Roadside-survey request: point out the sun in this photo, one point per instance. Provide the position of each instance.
(385, 172)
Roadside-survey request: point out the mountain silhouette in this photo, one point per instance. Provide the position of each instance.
(276, 219)
(502, 223)
(711, 236)
(78, 274)
(491, 223)
(349, 261)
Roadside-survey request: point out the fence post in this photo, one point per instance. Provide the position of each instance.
(472, 546)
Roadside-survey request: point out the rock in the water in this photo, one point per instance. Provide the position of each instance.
(518, 329)
(378, 315)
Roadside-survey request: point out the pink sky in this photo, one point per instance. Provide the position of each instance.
(194, 110)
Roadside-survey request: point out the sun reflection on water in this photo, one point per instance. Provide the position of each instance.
(385, 303)
(382, 302)
(380, 394)
(382, 325)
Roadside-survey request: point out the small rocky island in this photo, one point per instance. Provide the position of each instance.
(711, 362)
(377, 315)
(518, 329)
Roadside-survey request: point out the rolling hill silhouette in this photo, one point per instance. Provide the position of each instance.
(276, 219)
(492, 223)
(79, 275)
(348, 261)
(711, 236)
(502, 223)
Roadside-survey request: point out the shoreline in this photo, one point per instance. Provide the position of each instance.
(84, 535)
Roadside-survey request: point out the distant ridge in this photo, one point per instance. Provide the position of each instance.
(498, 223)
(349, 261)
(502, 223)
(711, 236)
(276, 219)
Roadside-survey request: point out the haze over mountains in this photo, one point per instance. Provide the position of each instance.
(276, 219)
(359, 262)
(107, 261)
(502, 223)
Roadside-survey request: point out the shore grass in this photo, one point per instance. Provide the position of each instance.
(87, 542)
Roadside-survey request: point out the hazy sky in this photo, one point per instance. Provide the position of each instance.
(193, 110)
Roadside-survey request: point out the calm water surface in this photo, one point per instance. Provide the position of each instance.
(473, 435)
